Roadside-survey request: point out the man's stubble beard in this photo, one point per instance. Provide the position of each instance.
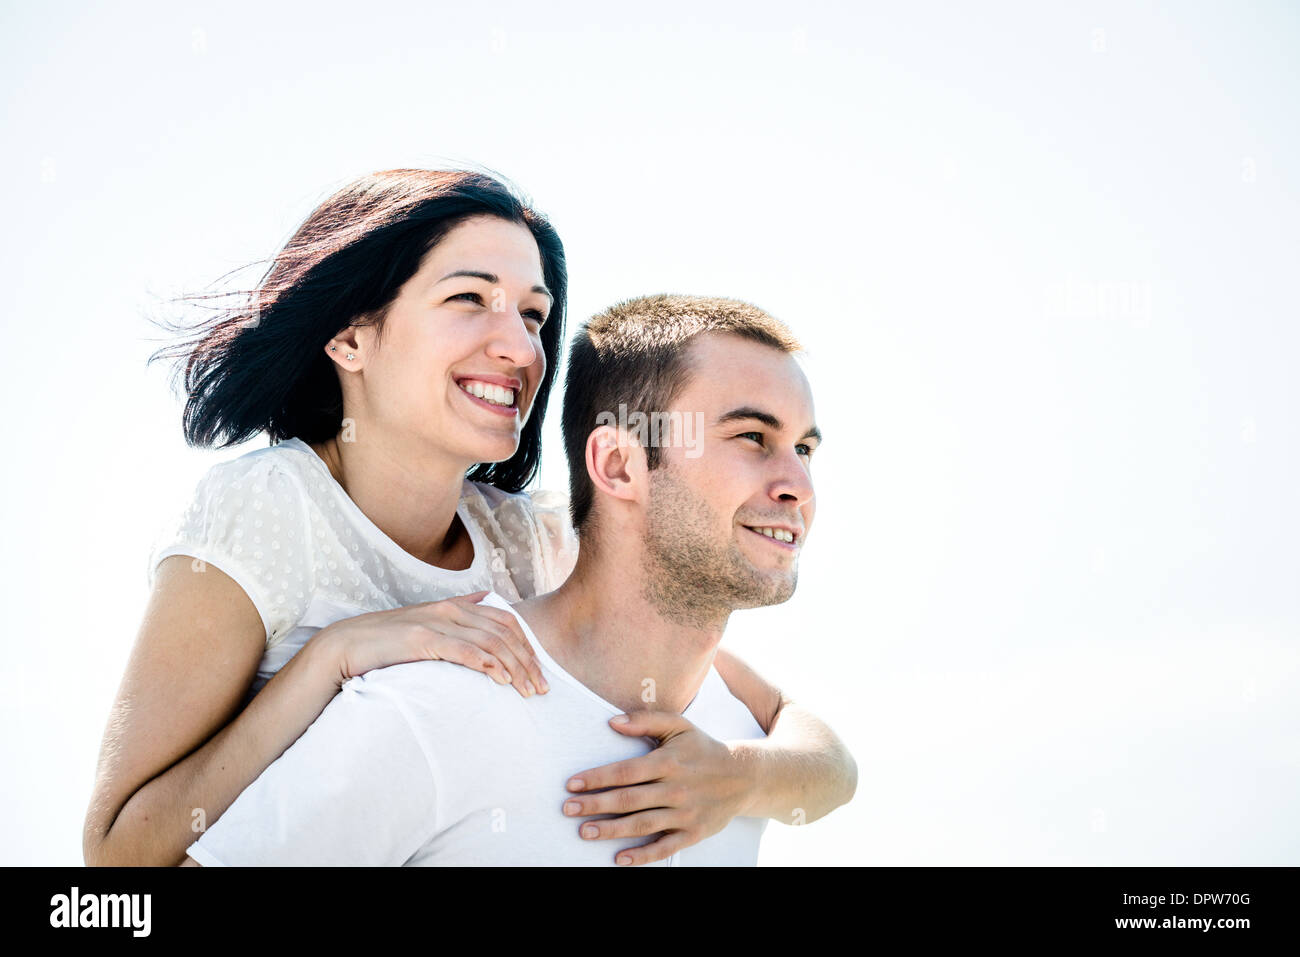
(687, 576)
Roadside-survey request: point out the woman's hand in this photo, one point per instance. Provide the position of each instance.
(689, 788)
(480, 637)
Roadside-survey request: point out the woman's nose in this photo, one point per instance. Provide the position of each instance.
(512, 341)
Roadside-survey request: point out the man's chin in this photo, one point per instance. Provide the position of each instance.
(769, 591)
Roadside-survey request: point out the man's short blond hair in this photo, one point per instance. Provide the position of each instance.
(636, 354)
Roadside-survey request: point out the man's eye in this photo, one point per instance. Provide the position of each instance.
(757, 436)
(807, 449)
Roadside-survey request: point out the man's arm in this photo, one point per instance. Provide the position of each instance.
(801, 771)
(355, 790)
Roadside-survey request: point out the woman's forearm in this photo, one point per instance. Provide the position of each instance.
(801, 771)
(169, 812)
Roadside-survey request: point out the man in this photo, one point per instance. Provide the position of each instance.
(688, 429)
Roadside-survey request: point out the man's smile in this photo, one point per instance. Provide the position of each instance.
(783, 536)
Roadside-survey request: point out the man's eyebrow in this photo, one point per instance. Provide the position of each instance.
(748, 412)
(767, 418)
(492, 278)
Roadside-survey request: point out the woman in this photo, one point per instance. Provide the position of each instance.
(408, 334)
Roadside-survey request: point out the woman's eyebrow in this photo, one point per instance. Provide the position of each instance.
(490, 277)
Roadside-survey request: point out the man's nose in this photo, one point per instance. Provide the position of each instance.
(791, 484)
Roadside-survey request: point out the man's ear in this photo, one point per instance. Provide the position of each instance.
(616, 464)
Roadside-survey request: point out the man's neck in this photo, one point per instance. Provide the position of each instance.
(602, 628)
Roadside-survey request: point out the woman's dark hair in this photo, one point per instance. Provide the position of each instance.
(260, 365)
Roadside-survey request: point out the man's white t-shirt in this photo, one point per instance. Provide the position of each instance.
(430, 763)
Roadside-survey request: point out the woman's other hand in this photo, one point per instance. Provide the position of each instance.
(687, 789)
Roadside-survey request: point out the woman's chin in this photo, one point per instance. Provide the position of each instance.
(484, 438)
(498, 450)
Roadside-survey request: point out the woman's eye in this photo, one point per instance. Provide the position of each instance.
(537, 315)
(472, 296)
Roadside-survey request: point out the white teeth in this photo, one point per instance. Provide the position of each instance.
(780, 534)
(497, 395)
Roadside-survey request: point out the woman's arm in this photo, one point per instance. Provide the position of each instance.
(801, 771)
(178, 751)
(172, 758)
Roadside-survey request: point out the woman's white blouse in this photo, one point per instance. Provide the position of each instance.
(277, 522)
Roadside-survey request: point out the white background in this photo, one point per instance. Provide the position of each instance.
(1043, 256)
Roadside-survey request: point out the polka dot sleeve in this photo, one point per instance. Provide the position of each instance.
(555, 535)
(248, 518)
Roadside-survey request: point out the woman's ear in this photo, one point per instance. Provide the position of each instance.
(347, 350)
(355, 341)
(616, 464)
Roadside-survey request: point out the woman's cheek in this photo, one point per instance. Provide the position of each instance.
(536, 374)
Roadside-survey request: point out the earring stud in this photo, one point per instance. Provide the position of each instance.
(351, 356)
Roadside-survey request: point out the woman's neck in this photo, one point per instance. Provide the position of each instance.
(410, 497)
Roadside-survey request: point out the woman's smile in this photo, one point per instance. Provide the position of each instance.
(497, 399)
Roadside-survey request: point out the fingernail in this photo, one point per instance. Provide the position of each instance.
(505, 677)
(620, 719)
(572, 807)
(546, 686)
(623, 859)
(528, 686)
(590, 830)
(577, 784)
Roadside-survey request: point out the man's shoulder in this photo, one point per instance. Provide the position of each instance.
(718, 711)
(415, 678)
(435, 695)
